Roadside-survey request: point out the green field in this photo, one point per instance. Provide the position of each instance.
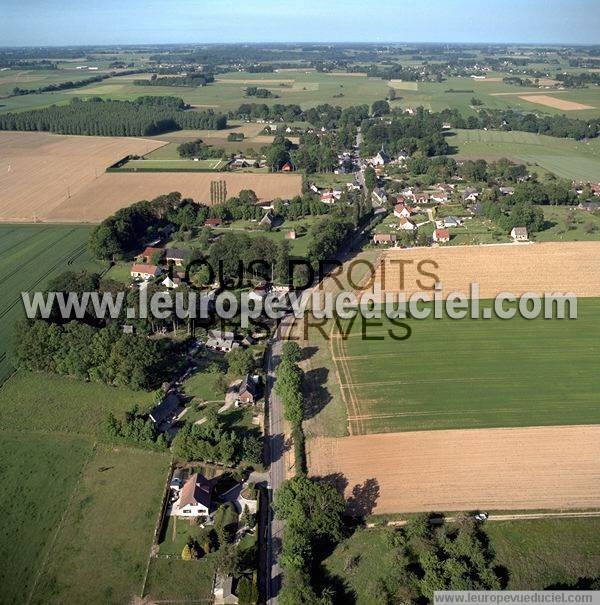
(533, 555)
(180, 581)
(453, 374)
(30, 255)
(579, 160)
(38, 473)
(151, 165)
(60, 487)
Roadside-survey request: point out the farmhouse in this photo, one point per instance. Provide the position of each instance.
(143, 271)
(248, 391)
(519, 234)
(177, 255)
(195, 497)
(384, 238)
(441, 235)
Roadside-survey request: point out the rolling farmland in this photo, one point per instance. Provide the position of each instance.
(30, 255)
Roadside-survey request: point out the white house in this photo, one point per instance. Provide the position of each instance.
(400, 210)
(519, 234)
(407, 225)
(194, 498)
(379, 195)
(451, 221)
(440, 197)
(381, 159)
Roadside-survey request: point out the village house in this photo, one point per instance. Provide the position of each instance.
(421, 198)
(379, 195)
(381, 159)
(595, 187)
(507, 190)
(384, 238)
(248, 391)
(223, 591)
(452, 221)
(166, 410)
(194, 498)
(178, 256)
(441, 197)
(144, 271)
(470, 195)
(400, 210)
(519, 234)
(407, 225)
(213, 222)
(589, 206)
(287, 167)
(221, 341)
(441, 236)
(267, 220)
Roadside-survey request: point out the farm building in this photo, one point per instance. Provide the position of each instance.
(384, 238)
(143, 271)
(519, 234)
(195, 497)
(441, 235)
(150, 254)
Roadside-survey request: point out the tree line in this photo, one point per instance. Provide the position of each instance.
(146, 116)
(190, 80)
(17, 91)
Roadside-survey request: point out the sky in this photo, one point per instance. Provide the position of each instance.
(94, 22)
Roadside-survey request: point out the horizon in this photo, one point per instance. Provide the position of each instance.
(155, 22)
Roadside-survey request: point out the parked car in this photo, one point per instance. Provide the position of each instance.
(481, 517)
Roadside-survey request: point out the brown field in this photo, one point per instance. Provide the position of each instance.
(250, 81)
(485, 469)
(47, 177)
(401, 85)
(543, 267)
(112, 191)
(38, 171)
(549, 101)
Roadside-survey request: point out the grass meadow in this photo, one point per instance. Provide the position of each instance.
(453, 374)
(30, 255)
(565, 224)
(73, 507)
(535, 554)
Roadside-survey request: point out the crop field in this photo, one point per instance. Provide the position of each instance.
(182, 165)
(556, 103)
(116, 190)
(469, 373)
(488, 469)
(41, 171)
(578, 160)
(59, 488)
(536, 554)
(30, 255)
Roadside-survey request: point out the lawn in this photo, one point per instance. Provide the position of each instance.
(452, 374)
(175, 580)
(38, 475)
(579, 160)
(30, 255)
(101, 551)
(535, 554)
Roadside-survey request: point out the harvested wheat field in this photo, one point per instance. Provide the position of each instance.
(549, 101)
(492, 469)
(115, 190)
(544, 267)
(38, 171)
